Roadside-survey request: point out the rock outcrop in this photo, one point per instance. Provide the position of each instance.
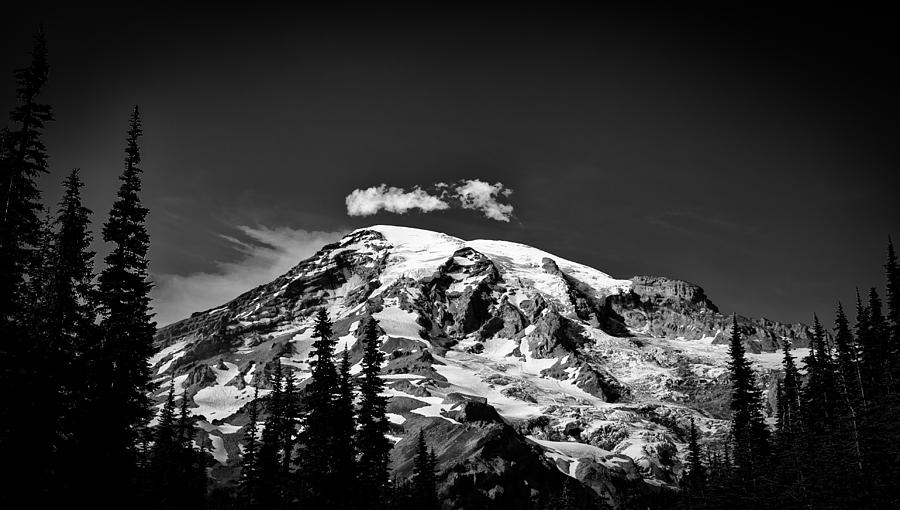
(663, 307)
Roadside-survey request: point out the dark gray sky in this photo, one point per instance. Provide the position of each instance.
(753, 153)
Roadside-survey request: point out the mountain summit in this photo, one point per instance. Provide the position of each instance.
(520, 367)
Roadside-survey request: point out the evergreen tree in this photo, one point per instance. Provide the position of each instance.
(891, 407)
(288, 426)
(424, 482)
(788, 478)
(343, 431)
(269, 457)
(127, 326)
(821, 390)
(848, 372)
(864, 355)
(24, 432)
(63, 328)
(249, 483)
(164, 456)
(318, 457)
(23, 158)
(287, 430)
(790, 423)
(749, 430)
(875, 347)
(373, 446)
(191, 486)
(879, 430)
(850, 387)
(694, 481)
(892, 286)
(696, 473)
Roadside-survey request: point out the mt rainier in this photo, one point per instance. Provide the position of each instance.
(521, 367)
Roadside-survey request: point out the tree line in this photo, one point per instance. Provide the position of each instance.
(836, 438)
(75, 344)
(77, 414)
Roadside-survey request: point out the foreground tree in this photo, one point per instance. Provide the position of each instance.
(748, 427)
(124, 372)
(66, 329)
(318, 456)
(424, 491)
(374, 447)
(24, 434)
(344, 427)
(249, 484)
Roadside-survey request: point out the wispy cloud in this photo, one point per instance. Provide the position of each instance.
(471, 194)
(266, 254)
(366, 202)
(484, 197)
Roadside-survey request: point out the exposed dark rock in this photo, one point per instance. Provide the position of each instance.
(554, 336)
(669, 308)
(472, 411)
(416, 362)
(483, 465)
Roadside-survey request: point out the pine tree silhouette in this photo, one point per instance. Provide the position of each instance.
(318, 456)
(128, 329)
(24, 429)
(270, 447)
(249, 482)
(343, 428)
(424, 482)
(748, 428)
(373, 446)
(892, 287)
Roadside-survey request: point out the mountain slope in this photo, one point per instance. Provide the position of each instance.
(521, 367)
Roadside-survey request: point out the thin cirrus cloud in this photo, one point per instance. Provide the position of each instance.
(473, 194)
(267, 254)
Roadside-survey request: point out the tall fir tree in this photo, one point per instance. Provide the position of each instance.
(865, 355)
(821, 399)
(892, 287)
(424, 490)
(790, 438)
(271, 481)
(790, 420)
(249, 482)
(891, 407)
(318, 455)
(169, 470)
(190, 488)
(849, 382)
(749, 431)
(23, 158)
(343, 428)
(694, 479)
(847, 359)
(128, 328)
(24, 434)
(374, 447)
(63, 325)
(287, 431)
(877, 345)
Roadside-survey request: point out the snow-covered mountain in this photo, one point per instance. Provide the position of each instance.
(520, 366)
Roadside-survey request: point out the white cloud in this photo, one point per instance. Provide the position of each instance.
(482, 196)
(269, 253)
(366, 202)
(471, 194)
